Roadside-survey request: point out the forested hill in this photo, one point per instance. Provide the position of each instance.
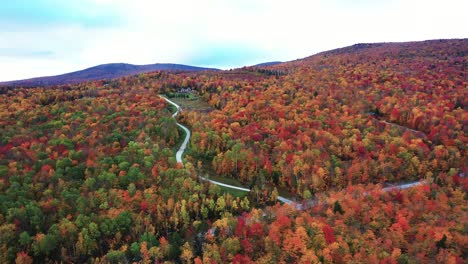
(442, 49)
(104, 71)
(338, 118)
(89, 174)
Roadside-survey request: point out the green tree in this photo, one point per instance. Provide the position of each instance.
(135, 250)
(116, 256)
(337, 208)
(124, 222)
(24, 239)
(44, 245)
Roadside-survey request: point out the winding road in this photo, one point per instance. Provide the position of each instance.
(297, 205)
(182, 148)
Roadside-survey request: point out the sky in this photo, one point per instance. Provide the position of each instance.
(50, 37)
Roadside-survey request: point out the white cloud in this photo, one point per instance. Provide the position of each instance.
(177, 31)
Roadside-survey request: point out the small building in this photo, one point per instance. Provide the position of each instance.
(185, 90)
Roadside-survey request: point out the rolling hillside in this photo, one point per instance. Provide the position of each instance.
(104, 71)
(93, 173)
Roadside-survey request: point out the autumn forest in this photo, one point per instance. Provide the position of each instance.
(88, 171)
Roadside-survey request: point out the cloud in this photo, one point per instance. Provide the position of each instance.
(45, 37)
(15, 53)
(52, 12)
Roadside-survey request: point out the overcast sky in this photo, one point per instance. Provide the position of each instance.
(49, 37)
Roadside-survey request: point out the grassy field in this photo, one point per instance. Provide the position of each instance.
(226, 180)
(235, 193)
(196, 104)
(209, 173)
(171, 108)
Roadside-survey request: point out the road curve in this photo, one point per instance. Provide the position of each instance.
(297, 205)
(225, 185)
(182, 148)
(405, 185)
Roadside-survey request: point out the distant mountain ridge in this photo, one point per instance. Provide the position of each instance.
(271, 63)
(103, 71)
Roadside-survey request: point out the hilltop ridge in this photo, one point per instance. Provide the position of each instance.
(103, 71)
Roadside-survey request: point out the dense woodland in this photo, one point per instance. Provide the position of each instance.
(88, 173)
